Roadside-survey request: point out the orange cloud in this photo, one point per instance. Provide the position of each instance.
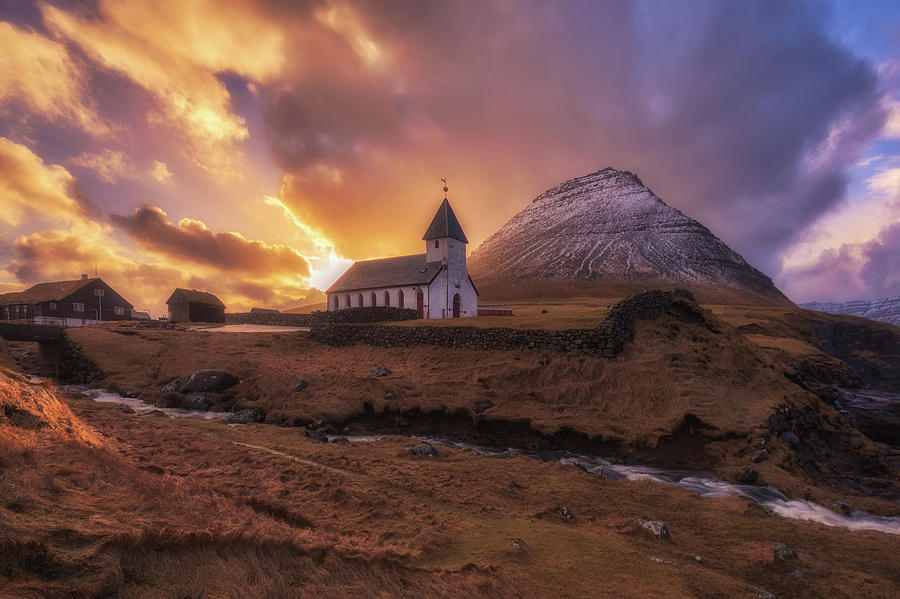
(34, 191)
(39, 76)
(109, 165)
(163, 48)
(190, 241)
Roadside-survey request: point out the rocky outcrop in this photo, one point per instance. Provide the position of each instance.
(606, 340)
(608, 227)
(209, 381)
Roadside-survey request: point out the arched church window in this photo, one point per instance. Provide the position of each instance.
(387, 298)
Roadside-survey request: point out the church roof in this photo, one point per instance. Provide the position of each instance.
(387, 272)
(444, 224)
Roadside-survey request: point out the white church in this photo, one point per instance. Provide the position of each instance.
(436, 283)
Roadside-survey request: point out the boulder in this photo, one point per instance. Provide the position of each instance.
(784, 553)
(209, 381)
(749, 475)
(246, 416)
(843, 506)
(378, 371)
(317, 436)
(195, 401)
(424, 450)
(170, 387)
(300, 385)
(657, 528)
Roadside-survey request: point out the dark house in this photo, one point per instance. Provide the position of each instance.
(190, 305)
(70, 301)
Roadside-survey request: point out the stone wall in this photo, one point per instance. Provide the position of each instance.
(606, 340)
(75, 367)
(349, 315)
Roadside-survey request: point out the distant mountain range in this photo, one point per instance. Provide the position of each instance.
(606, 233)
(885, 310)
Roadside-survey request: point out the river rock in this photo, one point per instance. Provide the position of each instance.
(195, 401)
(424, 450)
(657, 528)
(246, 416)
(317, 436)
(379, 371)
(784, 553)
(300, 385)
(749, 475)
(760, 456)
(170, 387)
(843, 506)
(209, 381)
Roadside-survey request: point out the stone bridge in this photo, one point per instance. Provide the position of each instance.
(48, 337)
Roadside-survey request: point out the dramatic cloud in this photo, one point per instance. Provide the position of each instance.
(854, 271)
(38, 76)
(190, 241)
(33, 191)
(175, 51)
(161, 172)
(109, 165)
(744, 115)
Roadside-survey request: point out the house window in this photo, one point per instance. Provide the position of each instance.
(120, 311)
(77, 307)
(52, 306)
(437, 244)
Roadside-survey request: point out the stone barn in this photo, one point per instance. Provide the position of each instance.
(436, 283)
(190, 305)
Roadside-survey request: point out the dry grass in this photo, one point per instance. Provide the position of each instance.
(186, 508)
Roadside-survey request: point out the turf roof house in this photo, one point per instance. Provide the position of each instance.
(436, 283)
(84, 300)
(190, 305)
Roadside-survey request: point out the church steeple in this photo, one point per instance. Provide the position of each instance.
(445, 224)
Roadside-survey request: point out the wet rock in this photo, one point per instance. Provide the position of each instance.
(657, 528)
(170, 387)
(764, 594)
(127, 410)
(843, 506)
(760, 456)
(209, 381)
(783, 553)
(195, 401)
(127, 394)
(379, 371)
(563, 512)
(390, 396)
(247, 415)
(424, 450)
(792, 439)
(748, 476)
(698, 559)
(156, 413)
(482, 405)
(317, 436)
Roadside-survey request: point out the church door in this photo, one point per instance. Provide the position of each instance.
(456, 301)
(420, 303)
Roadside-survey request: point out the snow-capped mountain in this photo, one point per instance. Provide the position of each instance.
(885, 310)
(608, 228)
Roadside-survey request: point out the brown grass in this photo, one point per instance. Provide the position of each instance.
(195, 508)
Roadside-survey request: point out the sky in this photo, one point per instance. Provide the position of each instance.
(256, 148)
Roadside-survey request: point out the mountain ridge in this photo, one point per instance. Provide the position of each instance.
(607, 231)
(886, 309)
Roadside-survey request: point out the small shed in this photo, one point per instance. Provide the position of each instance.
(190, 305)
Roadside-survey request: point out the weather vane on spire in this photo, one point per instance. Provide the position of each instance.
(445, 187)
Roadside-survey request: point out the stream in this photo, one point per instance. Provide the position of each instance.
(697, 482)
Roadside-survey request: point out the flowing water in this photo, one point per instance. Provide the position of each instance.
(700, 483)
